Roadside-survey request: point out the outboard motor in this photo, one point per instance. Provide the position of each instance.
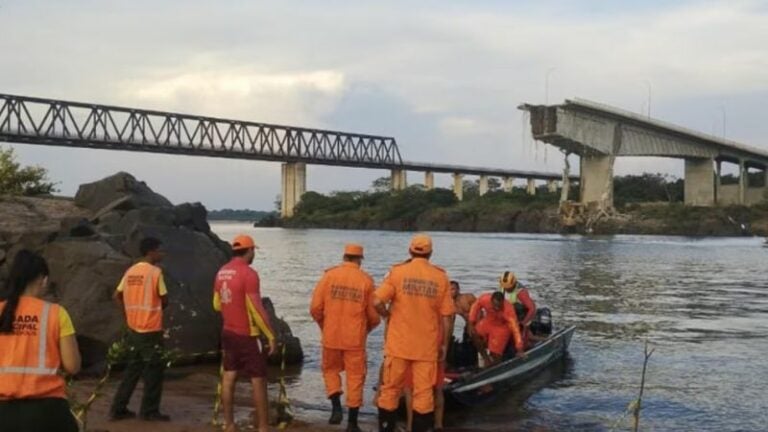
(542, 323)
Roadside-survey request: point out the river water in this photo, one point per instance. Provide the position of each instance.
(701, 303)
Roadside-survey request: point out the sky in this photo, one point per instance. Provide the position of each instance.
(443, 77)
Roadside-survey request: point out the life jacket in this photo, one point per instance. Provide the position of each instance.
(143, 306)
(512, 296)
(30, 357)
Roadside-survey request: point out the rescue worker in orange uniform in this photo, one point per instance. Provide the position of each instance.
(493, 329)
(37, 339)
(143, 296)
(437, 388)
(342, 305)
(517, 294)
(246, 330)
(420, 309)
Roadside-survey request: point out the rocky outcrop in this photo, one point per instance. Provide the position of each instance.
(90, 241)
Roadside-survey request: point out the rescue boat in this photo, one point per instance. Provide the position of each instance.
(479, 386)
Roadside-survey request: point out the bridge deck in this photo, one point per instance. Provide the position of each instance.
(582, 126)
(29, 120)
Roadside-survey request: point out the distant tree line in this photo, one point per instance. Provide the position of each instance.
(380, 206)
(243, 215)
(646, 187)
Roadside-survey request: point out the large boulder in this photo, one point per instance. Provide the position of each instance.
(91, 241)
(121, 186)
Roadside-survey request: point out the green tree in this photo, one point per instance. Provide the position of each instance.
(18, 180)
(382, 184)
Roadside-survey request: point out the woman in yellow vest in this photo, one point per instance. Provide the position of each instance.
(37, 340)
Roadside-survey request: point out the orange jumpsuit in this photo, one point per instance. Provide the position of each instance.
(496, 326)
(419, 296)
(342, 305)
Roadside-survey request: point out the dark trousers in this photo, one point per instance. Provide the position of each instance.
(144, 361)
(37, 415)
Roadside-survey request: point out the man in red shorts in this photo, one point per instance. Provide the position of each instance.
(246, 326)
(493, 330)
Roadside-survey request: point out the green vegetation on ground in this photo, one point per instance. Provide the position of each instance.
(647, 204)
(415, 208)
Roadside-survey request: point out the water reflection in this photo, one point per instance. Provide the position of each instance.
(702, 301)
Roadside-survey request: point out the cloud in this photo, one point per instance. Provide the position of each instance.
(239, 93)
(443, 78)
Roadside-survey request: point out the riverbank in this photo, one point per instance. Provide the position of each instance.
(515, 212)
(188, 398)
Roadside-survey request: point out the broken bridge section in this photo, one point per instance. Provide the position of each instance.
(600, 133)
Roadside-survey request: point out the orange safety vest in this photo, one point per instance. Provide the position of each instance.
(30, 357)
(143, 306)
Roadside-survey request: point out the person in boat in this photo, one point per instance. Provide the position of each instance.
(517, 294)
(462, 302)
(462, 353)
(492, 320)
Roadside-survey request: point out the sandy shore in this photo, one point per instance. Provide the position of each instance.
(188, 397)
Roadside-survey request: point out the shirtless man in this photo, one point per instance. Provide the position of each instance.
(463, 302)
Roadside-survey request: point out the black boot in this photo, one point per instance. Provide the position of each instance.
(336, 415)
(352, 420)
(423, 422)
(387, 420)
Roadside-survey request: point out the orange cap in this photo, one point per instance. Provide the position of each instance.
(243, 242)
(353, 249)
(421, 244)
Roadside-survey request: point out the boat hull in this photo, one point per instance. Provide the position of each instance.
(485, 385)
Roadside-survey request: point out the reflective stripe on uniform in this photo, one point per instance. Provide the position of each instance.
(42, 351)
(512, 296)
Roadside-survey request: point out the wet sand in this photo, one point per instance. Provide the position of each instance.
(188, 397)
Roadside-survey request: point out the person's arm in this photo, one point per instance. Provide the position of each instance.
(261, 318)
(117, 296)
(317, 306)
(216, 301)
(447, 311)
(384, 295)
(474, 311)
(162, 290)
(514, 327)
(372, 315)
(70, 353)
(530, 306)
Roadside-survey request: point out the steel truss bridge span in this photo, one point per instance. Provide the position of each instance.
(31, 120)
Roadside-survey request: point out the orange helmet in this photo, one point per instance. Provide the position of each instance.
(353, 249)
(421, 244)
(507, 281)
(243, 242)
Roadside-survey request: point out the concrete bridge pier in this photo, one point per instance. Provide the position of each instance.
(597, 179)
(551, 186)
(458, 186)
(701, 182)
(429, 180)
(508, 184)
(531, 187)
(718, 182)
(743, 182)
(294, 184)
(399, 179)
(483, 189)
